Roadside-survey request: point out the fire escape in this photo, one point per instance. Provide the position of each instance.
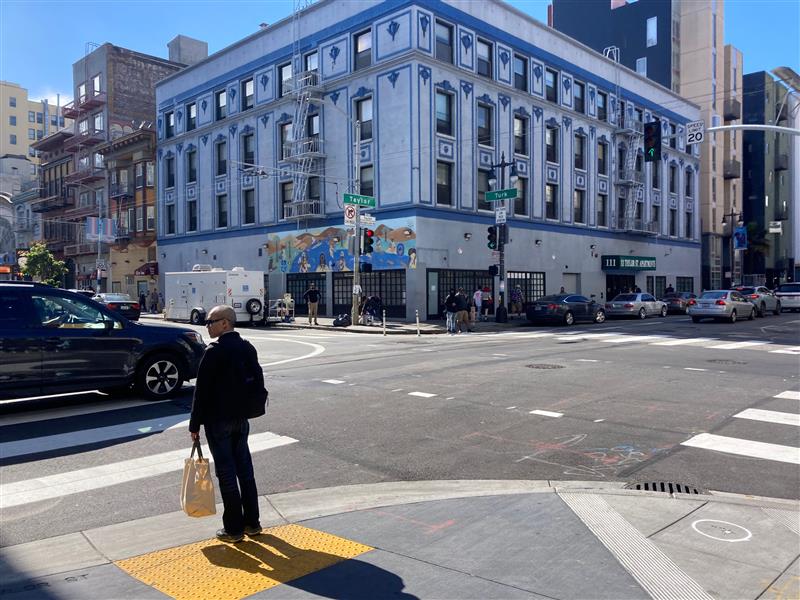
(629, 138)
(304, 149)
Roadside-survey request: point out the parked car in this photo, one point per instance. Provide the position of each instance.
(639, 305)
(722, 305)
(679, 302)
(87, 293)
(789, 296)
(762, 298)
(121, 304)
(53, 341)
(566, 309)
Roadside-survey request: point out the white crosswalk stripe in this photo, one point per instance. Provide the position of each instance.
(83, 480)
(752, 448)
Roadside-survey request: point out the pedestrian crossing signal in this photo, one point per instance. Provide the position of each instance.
(652, 141)
(369, 239)
(491, 238)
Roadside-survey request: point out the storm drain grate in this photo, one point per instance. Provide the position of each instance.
(667, 487)
(544, 366)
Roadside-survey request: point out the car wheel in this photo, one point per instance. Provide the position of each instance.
(600, 317)
(762, 310)
(752, 315)
(642, 313)
(695, 319)
(663, 311)
(569, 319)
(733, 316)
(777, 310)
(196, 318)
(159, 376)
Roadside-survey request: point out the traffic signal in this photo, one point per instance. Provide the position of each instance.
(493, 270)
(652, 141)
(503, 234)
(491, 237)
(367, 241)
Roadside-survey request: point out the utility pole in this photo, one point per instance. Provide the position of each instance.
(501, 316)
(357, 244)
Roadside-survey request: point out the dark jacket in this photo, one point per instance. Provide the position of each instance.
(450, 303)
(461, 302)
(228, 376)
(312, 296)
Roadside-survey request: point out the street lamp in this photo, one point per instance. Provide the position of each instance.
(501, 316)
(739, 222)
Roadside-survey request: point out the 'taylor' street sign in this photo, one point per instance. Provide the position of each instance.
(368, 201)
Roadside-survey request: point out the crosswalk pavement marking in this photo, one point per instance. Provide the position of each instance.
(421, 394)
(740, 447)
(682, 342)
(736, 345)
(332, 381)
(91, 436)
(546, 413)
(791, 350)
(631, 338)
(92, 478)
(789, 395)
(770, 416)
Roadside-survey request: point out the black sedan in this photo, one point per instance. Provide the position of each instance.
(122, 304)
(566, 309)
(679, 302)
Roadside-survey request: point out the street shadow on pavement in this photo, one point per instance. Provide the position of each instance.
(308, 570)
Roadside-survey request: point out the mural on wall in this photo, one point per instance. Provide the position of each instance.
(320, 250)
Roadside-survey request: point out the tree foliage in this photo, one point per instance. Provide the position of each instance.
(42, 265)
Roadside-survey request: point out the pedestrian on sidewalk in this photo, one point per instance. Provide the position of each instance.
(476, 303)
(154, 301)
(229, 390)
(450, 309)
(462, 312)
(517, 300)
(312, 297)
(486, 302)
(143, 302)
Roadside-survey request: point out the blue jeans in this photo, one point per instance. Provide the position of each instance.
(451, 321)
(228, 443)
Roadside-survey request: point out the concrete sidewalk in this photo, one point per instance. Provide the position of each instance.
(392, 327)
(436, 539)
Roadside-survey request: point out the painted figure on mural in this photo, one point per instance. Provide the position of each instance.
(412, 258)
(341, 264)
(323, 264)
(304, 263)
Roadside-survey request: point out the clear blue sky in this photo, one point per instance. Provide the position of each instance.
(40, 39)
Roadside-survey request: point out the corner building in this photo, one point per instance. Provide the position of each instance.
(256, 147)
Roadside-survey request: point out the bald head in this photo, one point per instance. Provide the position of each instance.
(221, 319)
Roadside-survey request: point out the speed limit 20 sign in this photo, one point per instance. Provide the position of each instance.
(695, 132)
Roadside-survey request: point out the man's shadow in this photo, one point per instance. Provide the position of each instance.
(308, 570)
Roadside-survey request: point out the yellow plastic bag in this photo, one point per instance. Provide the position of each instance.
(197, 489)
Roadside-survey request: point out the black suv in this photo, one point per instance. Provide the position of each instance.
(53, 341)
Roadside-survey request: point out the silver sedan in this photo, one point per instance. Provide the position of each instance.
(727, 305)
(635, 305)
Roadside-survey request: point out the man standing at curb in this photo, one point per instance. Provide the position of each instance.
(312, 297)
(462, 312)
(450, 309)
(230, 390)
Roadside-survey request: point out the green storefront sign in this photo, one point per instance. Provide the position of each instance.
(616, 262)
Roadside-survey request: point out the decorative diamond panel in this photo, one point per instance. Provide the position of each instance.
(445, 148)
(552, 174)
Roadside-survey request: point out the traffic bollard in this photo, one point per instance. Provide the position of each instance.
(384, 321)
(416, 310)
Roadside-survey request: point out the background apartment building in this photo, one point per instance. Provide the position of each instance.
(681, 45)
(768, 194)
(114, 98)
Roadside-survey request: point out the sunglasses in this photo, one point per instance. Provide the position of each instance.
(212, 321)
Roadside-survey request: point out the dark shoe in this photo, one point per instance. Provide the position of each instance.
(315, 323)
(224, 536)
(251, 530)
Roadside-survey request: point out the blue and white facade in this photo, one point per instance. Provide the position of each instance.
(435, 117)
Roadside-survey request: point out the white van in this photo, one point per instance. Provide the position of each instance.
(190, 295)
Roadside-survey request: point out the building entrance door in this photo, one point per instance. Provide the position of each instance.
(619, 284)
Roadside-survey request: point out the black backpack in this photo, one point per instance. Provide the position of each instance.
(248, 386)
(343, 320)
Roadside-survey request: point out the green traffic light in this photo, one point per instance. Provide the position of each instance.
(652, 151)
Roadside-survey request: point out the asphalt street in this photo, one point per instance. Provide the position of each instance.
(709, 405)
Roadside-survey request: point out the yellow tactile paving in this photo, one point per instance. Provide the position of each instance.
(215, 570)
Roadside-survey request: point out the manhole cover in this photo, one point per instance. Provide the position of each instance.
(723, 361)
(544, 366)
(667, 487)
